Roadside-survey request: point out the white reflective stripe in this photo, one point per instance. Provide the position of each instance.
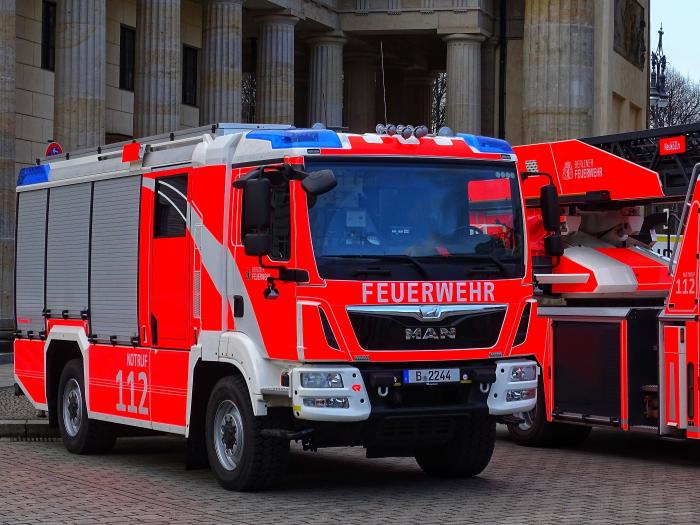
(611, 275)
(372, 138)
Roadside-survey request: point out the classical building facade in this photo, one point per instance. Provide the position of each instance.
(86, 72)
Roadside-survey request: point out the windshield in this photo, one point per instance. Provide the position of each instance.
(432, 220)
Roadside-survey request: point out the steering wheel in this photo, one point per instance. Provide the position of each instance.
(473, 230)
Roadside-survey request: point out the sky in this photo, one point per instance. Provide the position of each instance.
(680, 21)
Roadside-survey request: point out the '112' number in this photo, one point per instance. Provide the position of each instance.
(121, 407)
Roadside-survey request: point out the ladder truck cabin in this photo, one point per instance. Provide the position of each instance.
(250, 286)
(617, 331)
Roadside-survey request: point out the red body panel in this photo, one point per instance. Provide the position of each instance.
(29, 368)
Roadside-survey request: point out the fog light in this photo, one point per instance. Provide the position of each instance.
(321, 380)
(520, 395)
(326, 402)
(523, 373)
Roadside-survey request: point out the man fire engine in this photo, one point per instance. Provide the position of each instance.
(617, 329)
(248, 286)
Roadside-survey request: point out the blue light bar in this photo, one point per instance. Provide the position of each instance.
(33, 175)
(486, 144)
(298, 138)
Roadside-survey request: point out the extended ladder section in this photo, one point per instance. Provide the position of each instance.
(672, 152)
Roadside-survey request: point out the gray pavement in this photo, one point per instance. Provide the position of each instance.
(7, 377)
(614, 478)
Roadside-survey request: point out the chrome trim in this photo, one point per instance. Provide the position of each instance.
(419, 311)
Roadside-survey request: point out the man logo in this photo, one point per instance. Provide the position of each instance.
(568, 172)
(429, 312)
(423, 334)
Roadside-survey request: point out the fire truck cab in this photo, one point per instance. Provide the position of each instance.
(246, 286)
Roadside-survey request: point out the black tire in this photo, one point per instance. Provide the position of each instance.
(466, 455)
(259, 461)
(80, 434)
(538, 432)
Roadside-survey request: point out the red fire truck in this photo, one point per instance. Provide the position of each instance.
(617, 325)
(245, 286)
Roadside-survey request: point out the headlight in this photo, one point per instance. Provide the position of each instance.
(523, 373)
(520, 395)
(326, 402)
(321, 380)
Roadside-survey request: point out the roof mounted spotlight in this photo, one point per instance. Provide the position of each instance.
(445, 131)
(407, 132)
(421, 131)
(318, 125)
(391, 130)
(380, 129)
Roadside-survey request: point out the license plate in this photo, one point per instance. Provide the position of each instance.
(431, 375)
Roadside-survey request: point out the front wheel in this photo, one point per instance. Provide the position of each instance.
(240, 456)
(467, 454)
(536, 431)
(80, 434)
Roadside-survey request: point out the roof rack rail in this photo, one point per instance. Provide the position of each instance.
(223, 128)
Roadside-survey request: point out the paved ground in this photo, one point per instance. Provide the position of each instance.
(611, 479)
(6, 375)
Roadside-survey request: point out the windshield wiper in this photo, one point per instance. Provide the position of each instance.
(409, 259)
(456, 258)
(483, 257)
(382, 258)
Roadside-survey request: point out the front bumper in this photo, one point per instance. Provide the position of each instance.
(498, 402)
(490, 388)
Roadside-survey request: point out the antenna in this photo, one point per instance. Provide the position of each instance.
(381, 51)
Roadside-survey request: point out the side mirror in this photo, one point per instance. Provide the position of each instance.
(257, 243)
(553, 246)
(319, 182)
(256, 204)
(256, 217)
(549, 204)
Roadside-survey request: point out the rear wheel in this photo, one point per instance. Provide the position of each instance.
(466, 455)
(240, 456)
(80, 434)
(536, 431)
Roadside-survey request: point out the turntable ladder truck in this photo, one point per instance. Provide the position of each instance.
(618, 332)
(247, 286)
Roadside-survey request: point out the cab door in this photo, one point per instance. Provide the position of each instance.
(169, 273)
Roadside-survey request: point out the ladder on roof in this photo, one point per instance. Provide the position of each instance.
(212, 129)
(642, 147)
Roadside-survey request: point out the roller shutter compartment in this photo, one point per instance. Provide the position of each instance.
(31, 248)
(114, 259)
(67, 250)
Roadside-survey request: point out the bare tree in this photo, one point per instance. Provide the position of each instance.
(683, 102)
(438, 105)
(248, 97)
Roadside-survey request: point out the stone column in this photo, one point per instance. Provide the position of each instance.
(79, 93)
(418, 97)
(489, 90)
(158, 67)
(275, 75)
(326, 80)
(222, 61)
(361, 89)
(558, 69)
(464, 82)
(7, 163)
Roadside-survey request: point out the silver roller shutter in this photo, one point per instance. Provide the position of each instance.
(114, 259)
(67, 250)
(31, 238)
